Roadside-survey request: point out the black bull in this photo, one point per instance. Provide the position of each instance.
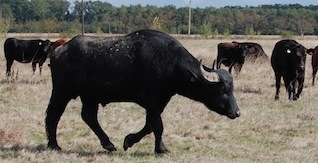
(26, 51)
(146, 67)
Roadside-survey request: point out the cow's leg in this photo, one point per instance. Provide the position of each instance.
(54, 112)
(131, 139)
(238, 67)
(290, 86)
(231, 66)
(278, 78)
(33, 67)
(314, 75)
(89, 115)
(40, 67)
(9, 64)
(300, 88)
(292, 90)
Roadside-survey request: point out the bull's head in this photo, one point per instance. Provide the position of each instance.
(214, 88)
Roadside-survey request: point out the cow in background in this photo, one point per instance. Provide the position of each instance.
(231, 54)
(254, 52)
(288, 60)
(26, 51)
(146, 67)
(314, 62)
(59, 42)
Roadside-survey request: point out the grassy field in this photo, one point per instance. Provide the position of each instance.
(267, 131)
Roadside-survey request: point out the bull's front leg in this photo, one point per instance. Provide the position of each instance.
(131, 139)
(157, 128)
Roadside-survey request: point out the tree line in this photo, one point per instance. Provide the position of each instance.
(61, 16)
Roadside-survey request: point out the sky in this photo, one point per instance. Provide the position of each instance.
(206, 3)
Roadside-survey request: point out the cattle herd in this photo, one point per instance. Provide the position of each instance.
(148, 67)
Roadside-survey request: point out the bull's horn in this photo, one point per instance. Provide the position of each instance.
(209, 76)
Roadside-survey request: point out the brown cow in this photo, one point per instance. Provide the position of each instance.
(314, 62)
(254, 52)
(59, 42)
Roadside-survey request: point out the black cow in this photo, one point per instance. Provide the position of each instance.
(26, 51)
(231, 54)
(254, 52)
(289, 61)
(146, 67)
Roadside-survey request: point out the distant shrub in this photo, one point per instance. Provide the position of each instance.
(226, 32)
(71, 32)
(287, 34)
(206, 30)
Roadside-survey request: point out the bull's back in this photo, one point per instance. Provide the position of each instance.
(91, 65)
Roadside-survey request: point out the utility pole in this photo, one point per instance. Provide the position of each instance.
(82, 17)
(189, 30)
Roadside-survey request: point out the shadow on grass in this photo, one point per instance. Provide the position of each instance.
(23, 81)
(43, 148)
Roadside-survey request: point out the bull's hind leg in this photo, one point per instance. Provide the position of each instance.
(89, 115)
(54, 112)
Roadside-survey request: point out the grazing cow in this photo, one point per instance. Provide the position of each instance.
(26, 51)
(254, 52)
(231, 54)
(314, 62)
(146, 67)
(289, 61)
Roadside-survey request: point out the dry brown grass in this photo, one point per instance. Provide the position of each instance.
(267, 131)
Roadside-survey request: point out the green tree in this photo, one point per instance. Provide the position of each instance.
(50, 25)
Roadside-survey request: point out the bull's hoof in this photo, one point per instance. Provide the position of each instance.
(128, 142)
(110, 147)
(295, 98)
(162, 151)
(276, 97)
(54, 148)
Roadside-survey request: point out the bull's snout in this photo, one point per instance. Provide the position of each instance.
(234, 115)
(237, 113)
